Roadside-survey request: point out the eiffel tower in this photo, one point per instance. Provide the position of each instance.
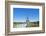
(27, 20)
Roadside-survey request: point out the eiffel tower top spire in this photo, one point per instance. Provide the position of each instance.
(27, 18)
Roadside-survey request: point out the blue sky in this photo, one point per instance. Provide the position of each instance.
(21, 14)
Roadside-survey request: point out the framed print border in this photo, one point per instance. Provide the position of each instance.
(7, 18)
